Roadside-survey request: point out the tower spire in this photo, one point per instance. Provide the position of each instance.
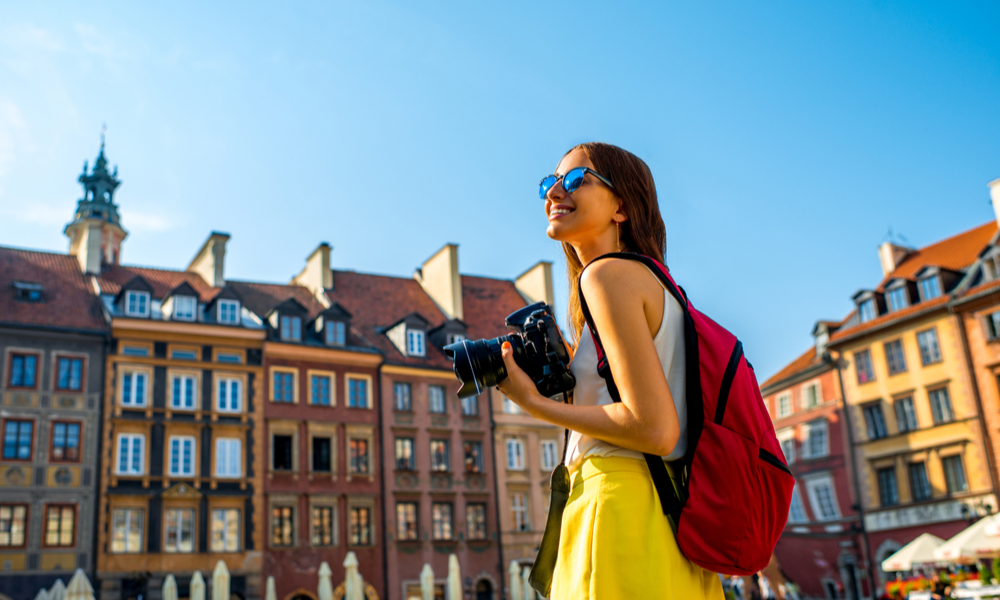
(95, 234)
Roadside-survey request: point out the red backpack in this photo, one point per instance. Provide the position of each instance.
(734, 485)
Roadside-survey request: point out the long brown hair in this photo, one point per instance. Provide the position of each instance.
(643, 232)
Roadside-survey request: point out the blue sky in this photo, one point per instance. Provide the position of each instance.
(786, 138)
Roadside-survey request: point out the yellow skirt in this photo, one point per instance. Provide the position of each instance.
(616, 543)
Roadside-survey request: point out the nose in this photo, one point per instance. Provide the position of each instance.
(556, 192)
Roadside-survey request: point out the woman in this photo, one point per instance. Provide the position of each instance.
(615, 541)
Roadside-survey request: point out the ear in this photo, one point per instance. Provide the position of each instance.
(620, 215)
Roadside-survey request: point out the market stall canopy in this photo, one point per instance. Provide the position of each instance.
(978, 541)
(919, 551)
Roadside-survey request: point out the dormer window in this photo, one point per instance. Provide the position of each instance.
(991, 265)
(336, 333)
(930, 287)
(454, 338)
(291, 328)
(185, 307)
(866, 310)
(414, 342)
(229, 312)
(28, 292)
(897, 298)
(137, 303)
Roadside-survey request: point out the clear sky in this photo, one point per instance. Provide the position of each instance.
(786, 138)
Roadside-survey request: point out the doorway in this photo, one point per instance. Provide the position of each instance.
(484, 591)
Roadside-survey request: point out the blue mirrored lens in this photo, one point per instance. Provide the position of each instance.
(546, 185)
(573, 180)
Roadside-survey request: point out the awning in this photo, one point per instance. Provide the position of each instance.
(918, 552)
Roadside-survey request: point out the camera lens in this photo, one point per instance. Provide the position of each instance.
(478, 364)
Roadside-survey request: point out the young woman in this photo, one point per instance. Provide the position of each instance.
(615, 541)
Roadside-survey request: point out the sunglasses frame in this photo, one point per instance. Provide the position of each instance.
(543, 191)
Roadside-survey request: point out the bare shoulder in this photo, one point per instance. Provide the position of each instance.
(618, 280)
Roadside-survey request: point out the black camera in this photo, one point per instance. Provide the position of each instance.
(538, 347)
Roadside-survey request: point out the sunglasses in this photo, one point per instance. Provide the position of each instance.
(571, 181)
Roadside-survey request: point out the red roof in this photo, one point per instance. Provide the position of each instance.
(113, 277)
(807, 360)
(262, 297)
(69, 299)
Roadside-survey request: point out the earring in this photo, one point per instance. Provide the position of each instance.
(618, 226)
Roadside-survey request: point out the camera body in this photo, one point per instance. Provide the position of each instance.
(539, 349)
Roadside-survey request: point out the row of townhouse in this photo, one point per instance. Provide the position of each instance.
(156, 421)
(891, 421)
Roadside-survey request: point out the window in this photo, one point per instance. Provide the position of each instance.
(930, 351)
(69, 374)
(13, 519)
(360, 524)
(336, 333)
(284, 386)
(519, 511)
(184, 354)
(184, 307)
(225, 530)
(930, 287)
(810, 395)
(359, 456)
(784, 405)
(796, 510)
(475, 521)
(291, 328)
(17, 439)
(875, 422)
(439, 455)
(866, 310)
(65, 442)
(183, 392)
(319, 389)
(323, 526)
(788, 445)
(473, 456)
(863, 366)
(404, 454)
(816, 442)
(137, 303)
(281, 458)
(470, 406)
(322, 455)
(131, 454)
(954, 474)
(894, 357)
(230, 395)
(178, 525)
(282, 526)
(401, 393)
(906, 416)
(414, 342)
(441, 521)
(357, 392)
(60, 529)
(435, 397)
(228, 457)
(941, 406)
(897, 298)
(135, 351)
(134, 388)
(229, 312)
(920, 487)
(993, 325)
(182, 456)
(23, 368)
(515, 454)
(510, 407)
(454, 338)
(888, 492)
(822, 498)
(126, 531)
(406, 521)
(550, 454)
(229, 357)
(28, 292)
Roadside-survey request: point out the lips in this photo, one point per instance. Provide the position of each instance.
(559, 211)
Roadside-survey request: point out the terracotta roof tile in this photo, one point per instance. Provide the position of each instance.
(113, 277)
(808, 359)
(69, 298)
(262, 297)
(486, 303)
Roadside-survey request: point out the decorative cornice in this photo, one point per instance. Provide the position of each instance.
(187, 328)
(301, 352)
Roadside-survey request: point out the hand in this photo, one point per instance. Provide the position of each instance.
(517, 385)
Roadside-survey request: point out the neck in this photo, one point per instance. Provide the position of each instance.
(603, 244)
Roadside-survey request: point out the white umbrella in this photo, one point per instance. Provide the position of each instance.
(42, 595)
(514, 570)
(918, 552)
(197, 586)
(169, 589)
(220, 582)
(325, 586)
(270, 594)
(427, 582)
(980, 540)
(529, 592)
(80, 589)
(354, 586)
(454, 589)
(58, 590)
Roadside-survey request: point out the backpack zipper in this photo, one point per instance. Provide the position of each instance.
(773, 460)
(727, 382)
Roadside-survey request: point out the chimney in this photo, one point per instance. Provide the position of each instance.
(210, 262)
(535, 284)
(85, 245)
(821, 336)
(317, 276)
(995, 195)
(440, 279)
(890, 255)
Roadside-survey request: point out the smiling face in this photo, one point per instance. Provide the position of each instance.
(587, 218)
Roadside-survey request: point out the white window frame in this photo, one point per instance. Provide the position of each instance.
(130, 514)
(290, 328)
(784, 404)
(894, 294)
(807, 440)
(515, 454)
(510, 407)
(368, 390)
(336, 333)
(454, 338)
(863, 314)
(136, 449)
(797, 503)
(519, 510)
(437, 398)
(922, 285)
(228, 458)
(181, 472)
(181, 513)
(226, 546)
(415, 343)
(221, 315)
(223, 399)
(813, 485)
(175, 402)
(787, 435)
(550, 454)
(812, 385)
(132, 375)
(188, 302)
(142, 301)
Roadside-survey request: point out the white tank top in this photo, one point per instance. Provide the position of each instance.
(591, 390)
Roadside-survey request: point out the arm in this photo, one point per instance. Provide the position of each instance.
(622, 297)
